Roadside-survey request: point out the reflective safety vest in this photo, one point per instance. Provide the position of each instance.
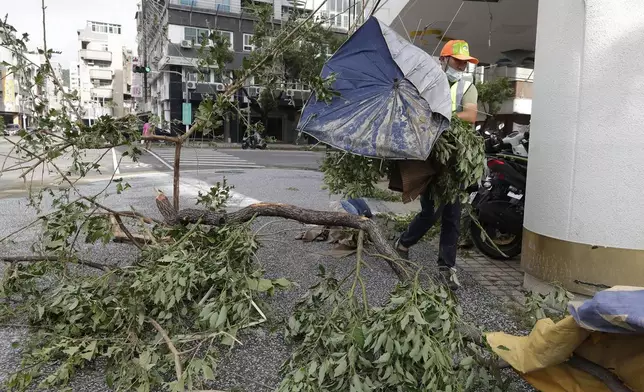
(458, 90)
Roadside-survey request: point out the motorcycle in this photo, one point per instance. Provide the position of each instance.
(498, 204)
(253, 141)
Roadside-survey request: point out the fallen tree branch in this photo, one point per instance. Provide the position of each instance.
(125, 231)
(177, 357)
(321, 218)
(35, 259)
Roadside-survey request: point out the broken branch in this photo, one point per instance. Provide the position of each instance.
(321, 218)
(177, 357)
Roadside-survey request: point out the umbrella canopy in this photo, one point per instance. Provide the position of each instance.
(394, 98)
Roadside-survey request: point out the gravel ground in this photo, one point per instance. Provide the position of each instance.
(255, 365)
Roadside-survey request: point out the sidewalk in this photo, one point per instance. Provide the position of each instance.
(503, 278)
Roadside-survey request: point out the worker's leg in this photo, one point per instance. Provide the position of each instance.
(450, 230)
(421, 223)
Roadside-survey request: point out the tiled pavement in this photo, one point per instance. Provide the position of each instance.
(502, 278)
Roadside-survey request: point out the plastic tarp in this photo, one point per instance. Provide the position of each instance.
(540, 358)
(619, 309)
(394, 99)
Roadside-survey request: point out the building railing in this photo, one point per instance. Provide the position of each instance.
(102, 92)
(100, 55)
(217, 6)
(101, 74)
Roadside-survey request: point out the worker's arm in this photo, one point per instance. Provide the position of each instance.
(470, 105)
(469, 112)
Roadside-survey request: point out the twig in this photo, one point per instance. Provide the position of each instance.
(126, 231)
(177, 357)
(35, 259)
(206, 296)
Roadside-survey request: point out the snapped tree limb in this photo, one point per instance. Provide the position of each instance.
(322, 218)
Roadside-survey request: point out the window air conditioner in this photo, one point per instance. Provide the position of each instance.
(220, 87)
(186, 43)
(192, 85)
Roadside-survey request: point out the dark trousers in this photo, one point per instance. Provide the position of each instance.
(450, 215)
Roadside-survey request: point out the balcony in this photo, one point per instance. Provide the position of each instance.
(102, 92)
(100, 74)
(98, 55)
(208, 5)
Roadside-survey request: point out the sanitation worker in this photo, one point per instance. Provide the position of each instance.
(454, 58)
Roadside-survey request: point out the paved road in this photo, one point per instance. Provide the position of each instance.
(233, 159)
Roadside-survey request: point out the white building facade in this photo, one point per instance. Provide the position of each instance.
(102, 77)
(17, 89)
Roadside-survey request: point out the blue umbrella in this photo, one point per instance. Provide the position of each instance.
(394, 98)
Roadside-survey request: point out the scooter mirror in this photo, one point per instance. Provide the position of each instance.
(501, 126)
(478, 127)
(487, 133)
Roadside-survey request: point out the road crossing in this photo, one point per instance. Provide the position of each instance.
(203, 158)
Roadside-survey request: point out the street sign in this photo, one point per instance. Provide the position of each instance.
(187, 113)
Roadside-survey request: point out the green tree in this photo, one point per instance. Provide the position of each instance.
(493, 94)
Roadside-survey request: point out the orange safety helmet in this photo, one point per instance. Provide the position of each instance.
(458, 49)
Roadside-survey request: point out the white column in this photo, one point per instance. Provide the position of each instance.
(584, 220)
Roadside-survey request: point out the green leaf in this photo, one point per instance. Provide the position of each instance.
(322, 373)
(71, 350)
(73, 304)
(41, 311)
(264, 285)
(341, 367)
(223, 314)
(404, 322)
(383, 358)
(207, 372)
(418, 318)
(502, 347)
(213, 320)
(282, 282)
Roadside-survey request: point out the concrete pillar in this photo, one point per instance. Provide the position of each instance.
(584, 219)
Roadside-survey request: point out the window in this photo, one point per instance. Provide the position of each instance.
(222, 5)
(229, 36)
(204, 76)
(105, 47)
(196, 35)
(220, 77)
(190, 76)
(248, 46)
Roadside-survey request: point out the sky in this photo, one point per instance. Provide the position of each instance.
(64, 18)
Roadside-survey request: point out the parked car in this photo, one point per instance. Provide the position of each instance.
(12, 130)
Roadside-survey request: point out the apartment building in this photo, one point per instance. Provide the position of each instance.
(54, 95)
(17, 90)
(102, 74)
(169, 48)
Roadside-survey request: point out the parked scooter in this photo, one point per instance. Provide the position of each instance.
(254, 141)
(499, 202)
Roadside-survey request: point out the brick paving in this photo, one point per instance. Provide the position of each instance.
(503, 278)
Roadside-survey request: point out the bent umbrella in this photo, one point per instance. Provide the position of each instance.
(394, 98)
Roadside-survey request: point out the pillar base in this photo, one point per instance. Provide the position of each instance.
(534, 284)
(579, 268)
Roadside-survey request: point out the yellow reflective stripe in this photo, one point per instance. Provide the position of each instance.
(454, 92)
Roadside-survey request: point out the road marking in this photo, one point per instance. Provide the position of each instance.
(115, 162)
(160, 159)
(206, 158)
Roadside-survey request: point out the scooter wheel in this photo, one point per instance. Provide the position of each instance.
(510, 246)
(244, 147)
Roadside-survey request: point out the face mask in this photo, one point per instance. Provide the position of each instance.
(453, 75)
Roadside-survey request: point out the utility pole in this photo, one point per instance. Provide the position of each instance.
(145, 52)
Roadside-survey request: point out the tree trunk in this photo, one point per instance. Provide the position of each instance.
(321, 218)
